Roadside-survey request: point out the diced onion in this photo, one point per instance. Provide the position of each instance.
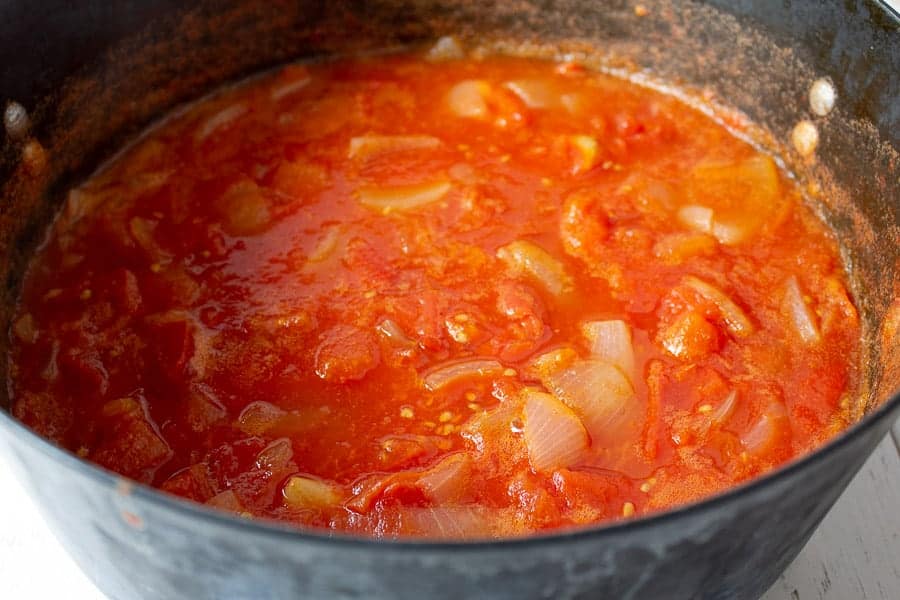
(771, 428)
(699, 218)
(724, 411)
(467, 98)
(219, 120)
(554, 435)
(366, 146)
(799, 312)
(743, 196)
(403, 197)
(600, 394)
(326, 246)
(390, 330)
(446, 481)
(610, 341)
(287, 89)
(446, 521)
(586, 147)
(445, 48)
(535, 93)
(307, 492)
(524, 257)
(735, 318)
(459, 371)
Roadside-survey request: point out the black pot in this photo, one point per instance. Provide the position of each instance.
(93, 73)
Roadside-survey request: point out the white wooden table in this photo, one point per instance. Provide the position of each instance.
(855, 554)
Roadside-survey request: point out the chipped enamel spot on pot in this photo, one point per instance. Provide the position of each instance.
(805, 138)
(821, 97)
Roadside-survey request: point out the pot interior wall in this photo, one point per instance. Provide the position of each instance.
(99, 73)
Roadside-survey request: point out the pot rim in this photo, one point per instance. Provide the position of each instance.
(887, 412)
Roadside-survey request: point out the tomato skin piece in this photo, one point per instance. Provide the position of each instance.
(345, 353)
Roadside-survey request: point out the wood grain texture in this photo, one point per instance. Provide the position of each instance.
(855, 553)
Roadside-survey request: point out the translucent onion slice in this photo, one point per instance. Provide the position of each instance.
(327, 245)
(302, 491)
(444, 522)
(292, 87)
(586, 152)
(554, 435)
(724, 411)
(456, 372)
(366, 146)
(403, 197)
(696, 217)
(771, 429)
(220, 119)
(526, 258)
(394, 334)
(445, 48)
(467, 98)
(735, 319)
(535, 93)
(446, 482)
(610, 341)
(798, 311)
(600, 395)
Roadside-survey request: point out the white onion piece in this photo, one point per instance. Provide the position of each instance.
(554, 435)
(308, 492)
(445, 48)
(735, 319)
(600, 394)
(365, 146)
(586, 146)
(610, 341)
(445, 482)
(766, 431)
(696, 217)
(535, 93)
(287, 89)
(458, 371)
(523, 257)
(447, 521)
(721, 414)
(799, 312)
(220, 119)
(403, 197)
(393, 333)
(326, 246)
(467, 98)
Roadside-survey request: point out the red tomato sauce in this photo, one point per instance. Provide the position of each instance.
(464, 298)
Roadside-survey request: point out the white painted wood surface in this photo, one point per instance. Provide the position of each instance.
(855, 553)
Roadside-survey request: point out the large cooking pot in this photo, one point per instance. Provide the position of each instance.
(91, 74)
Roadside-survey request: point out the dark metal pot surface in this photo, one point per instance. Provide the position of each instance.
(92, 74)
